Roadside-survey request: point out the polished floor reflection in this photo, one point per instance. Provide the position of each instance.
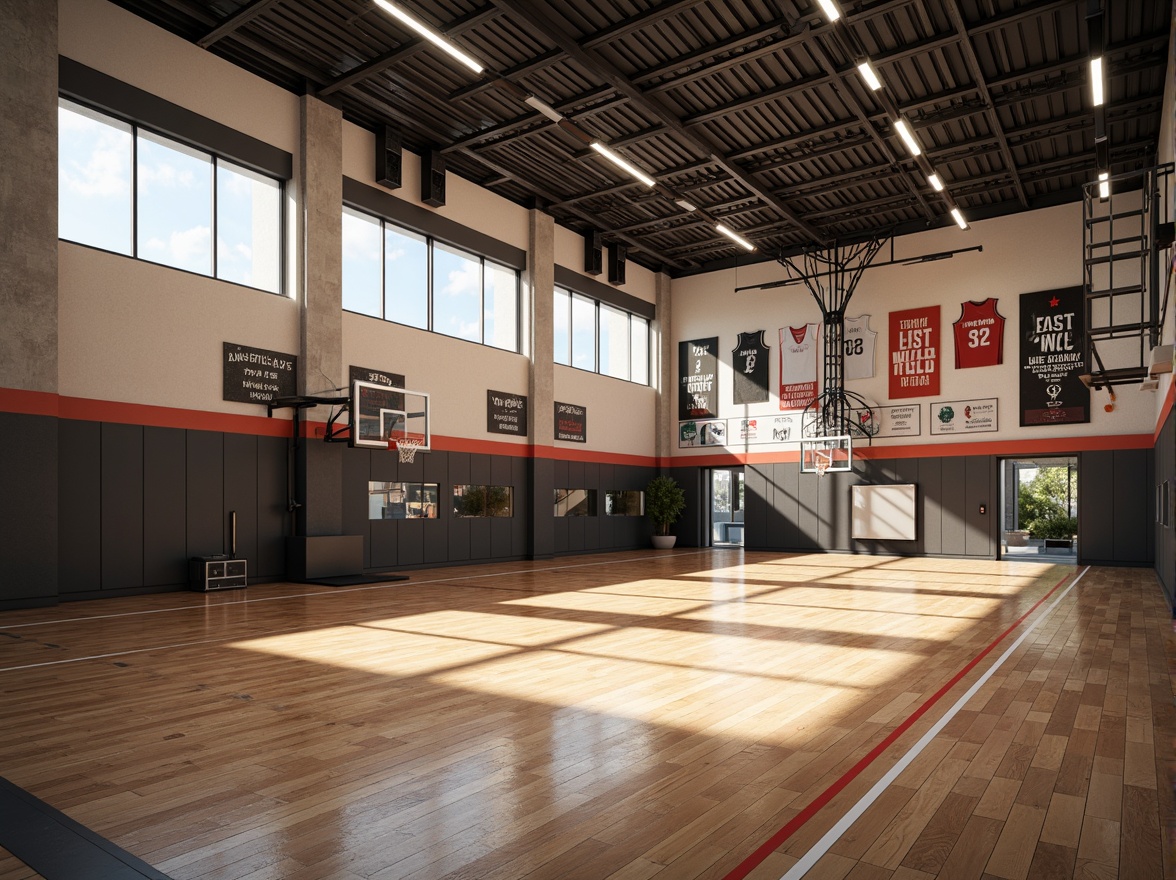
(690, 714)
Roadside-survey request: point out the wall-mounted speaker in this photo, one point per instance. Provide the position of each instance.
(433, 178)
(388, 166)
(593, 252)
(617, 253)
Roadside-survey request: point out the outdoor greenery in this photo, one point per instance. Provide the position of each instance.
(1042, 503)
(664, 502)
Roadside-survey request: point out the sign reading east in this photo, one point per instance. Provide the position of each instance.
(697, 387)
(1053, 324)
(914, 353)
(257, 375)
(506, 413)
(571, 422)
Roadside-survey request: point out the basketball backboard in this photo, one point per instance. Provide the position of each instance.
(380, 412)
(819, 455)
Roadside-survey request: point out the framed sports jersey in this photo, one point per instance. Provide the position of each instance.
(697, 393)
(914, 352)
(798, 366)
(749, 360)
(1053, 325)
(858, 343)
(979, 335)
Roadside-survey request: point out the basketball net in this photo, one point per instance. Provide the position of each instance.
(822, 462)
(406, 447)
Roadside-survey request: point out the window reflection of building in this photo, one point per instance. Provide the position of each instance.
(403, 500)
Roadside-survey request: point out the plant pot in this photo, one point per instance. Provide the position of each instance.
(664, 542)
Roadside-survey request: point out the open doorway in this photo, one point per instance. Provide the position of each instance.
(726, 507)
(1039, 509)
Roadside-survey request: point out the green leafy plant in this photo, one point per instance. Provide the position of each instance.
(1042, 503)
(664, 502)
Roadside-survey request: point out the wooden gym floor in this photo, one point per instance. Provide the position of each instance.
(694, 714)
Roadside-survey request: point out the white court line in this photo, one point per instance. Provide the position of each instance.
(834, 834)
(334, 591)
(266, 633)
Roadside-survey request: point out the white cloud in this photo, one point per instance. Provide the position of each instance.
(189, 244)
(103, 173)
(466, 281)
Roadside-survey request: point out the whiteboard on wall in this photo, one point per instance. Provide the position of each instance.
(884, 513)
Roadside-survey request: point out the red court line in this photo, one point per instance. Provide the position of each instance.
(797, 822)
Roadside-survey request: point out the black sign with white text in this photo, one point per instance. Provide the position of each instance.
(257, 375)
(698, 396)
(379, 377)
(1053, 324)
(571, 422)
(507, 413)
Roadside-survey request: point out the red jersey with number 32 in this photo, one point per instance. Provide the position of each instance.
(979, 335)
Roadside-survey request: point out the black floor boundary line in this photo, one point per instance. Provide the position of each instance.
(57, 847)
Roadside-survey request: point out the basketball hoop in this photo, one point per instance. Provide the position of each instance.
(822, 463)
(406, 448)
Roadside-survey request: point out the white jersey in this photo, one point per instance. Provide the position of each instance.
(798, 365)
(858, 341)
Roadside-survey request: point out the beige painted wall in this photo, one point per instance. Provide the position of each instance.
(135, 332)
(1038, 250)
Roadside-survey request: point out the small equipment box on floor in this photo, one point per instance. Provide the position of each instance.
(207, 573)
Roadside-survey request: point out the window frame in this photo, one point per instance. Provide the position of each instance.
(215, 157)
(572, 294)
(430, 280)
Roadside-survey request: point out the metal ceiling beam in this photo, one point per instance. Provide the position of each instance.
(538, 19)
(770, 37)
(994, 124)
(528, 67)
(1031, 10)
(507, 131)
(591, 219)
(242, 16)
(636, 22)
(817, 48)
(407, 50)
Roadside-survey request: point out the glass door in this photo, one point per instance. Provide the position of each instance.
(1039, 509)
(726, 509)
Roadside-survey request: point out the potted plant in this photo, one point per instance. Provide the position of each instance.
(664, 502)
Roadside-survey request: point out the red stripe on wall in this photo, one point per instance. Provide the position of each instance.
(43, 403)
(1165, 410)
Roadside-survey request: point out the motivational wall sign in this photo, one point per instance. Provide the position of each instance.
(378, 377)
(914, 352)
(1053, 325)
(697, 391)
(571, 422)
(749, 360)
(506, 413)
(257, 375)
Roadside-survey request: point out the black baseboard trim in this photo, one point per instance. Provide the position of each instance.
(57, 847)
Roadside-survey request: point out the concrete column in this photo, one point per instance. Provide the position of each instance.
(665, 422)
(540, 283)
(28, 301)
(320, 289)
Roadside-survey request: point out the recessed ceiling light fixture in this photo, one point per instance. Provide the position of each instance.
(735, 237)
(904, 131)
(429, 34)
(830, 9)
(959, 218)
(621, 163)
(1104, 185)
(869, 76)
(936, 183)
(1096, 81)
